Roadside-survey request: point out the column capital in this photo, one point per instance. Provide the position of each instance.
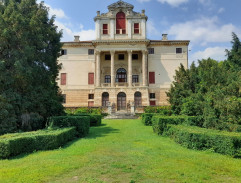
(112, 52)
(144, 52)
(129, 51)
(97, 52)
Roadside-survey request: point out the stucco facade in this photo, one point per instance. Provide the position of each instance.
(121, 67)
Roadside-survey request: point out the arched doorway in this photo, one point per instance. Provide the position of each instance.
(121, 76)
(120, 23)
(121, 101)
(105, 99)
(137, 98)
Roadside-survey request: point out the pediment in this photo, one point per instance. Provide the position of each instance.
(120, 4)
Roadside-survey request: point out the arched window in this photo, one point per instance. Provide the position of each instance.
(120, 23)
(105, 99)
(121, 76)
(137, 99)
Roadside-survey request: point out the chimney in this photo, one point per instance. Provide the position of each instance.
(98, 13)
(164, 37)
(76, 38)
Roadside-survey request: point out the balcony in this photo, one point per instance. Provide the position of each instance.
(121, 84)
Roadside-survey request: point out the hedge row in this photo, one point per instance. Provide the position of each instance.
(163, 110)
(15, 144)
(146, 118)
(228, 143)
(95, 119)
(82, 123)
(159, 123)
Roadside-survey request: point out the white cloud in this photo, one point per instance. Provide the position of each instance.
(151, 29)
(203, 30)
(141, 1)
(174, 3)
(221, 10)
(68, 33)
(216, 53)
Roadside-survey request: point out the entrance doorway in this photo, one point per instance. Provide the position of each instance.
(121, 101)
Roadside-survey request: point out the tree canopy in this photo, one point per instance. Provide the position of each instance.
(211, 90)
(29, 48)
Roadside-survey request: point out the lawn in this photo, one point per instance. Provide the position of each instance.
(121, 151)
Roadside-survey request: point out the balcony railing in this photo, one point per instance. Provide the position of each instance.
(121, 84)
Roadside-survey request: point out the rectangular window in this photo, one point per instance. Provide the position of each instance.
(136, 28)
(134, 56)
(64, 52)
(91, 96)
(152, 103)
(151, 51)
(152, 77)
(91, 51)
(121, 57)
(105, 28)
(91, 79)
(135, 79)
(152, 95)
(64, 98)
(91, 104)
(178, 50)
(107, 79)
(107, 57)
(63, 77)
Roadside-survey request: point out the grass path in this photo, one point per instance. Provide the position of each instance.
(121, 151)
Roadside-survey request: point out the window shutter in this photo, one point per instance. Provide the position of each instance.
(105, 28)
(136, 28)
(152, 77)
(91, 79)
(63, 78)
(152, 103)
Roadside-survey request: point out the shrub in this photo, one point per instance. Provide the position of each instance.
(163, 110)
(95, 119)
(82, 123)
(228, 143)
(159, 123)
(146, 118)
(15, 144)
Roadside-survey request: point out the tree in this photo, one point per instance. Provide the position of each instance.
(212, 90)
(29, 48)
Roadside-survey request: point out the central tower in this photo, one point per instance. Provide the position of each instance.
(120, 23)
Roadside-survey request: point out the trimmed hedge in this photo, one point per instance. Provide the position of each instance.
(228, 143)
(146, 118)
(82, 123)
(95, 119)
(159, 123)
(163, 110)
(15, 144)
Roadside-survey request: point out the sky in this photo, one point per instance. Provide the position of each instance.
(208, 24)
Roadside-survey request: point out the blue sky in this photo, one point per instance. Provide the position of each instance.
(208, 24)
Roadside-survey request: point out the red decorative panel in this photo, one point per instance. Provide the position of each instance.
(120, 23)
(91, 79)
(90, 104)
(63, 78)
(152, 103)
(152, 77)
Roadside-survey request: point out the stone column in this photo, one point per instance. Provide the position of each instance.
(97, 68)
(144, 67)
(112, 53)
(130, 68)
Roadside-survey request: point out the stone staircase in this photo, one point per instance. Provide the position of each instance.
(121, 115)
